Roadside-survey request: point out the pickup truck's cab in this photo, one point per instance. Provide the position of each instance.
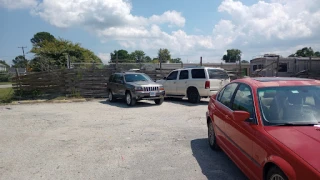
(194, 83)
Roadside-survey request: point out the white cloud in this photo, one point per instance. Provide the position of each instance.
(171, 17)
(100, 14)
(266, 26)
(105, 57)
(18, 4)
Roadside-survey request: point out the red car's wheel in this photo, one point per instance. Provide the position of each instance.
(276, 174)
(212, 137)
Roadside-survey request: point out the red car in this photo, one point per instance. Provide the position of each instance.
(269, 127)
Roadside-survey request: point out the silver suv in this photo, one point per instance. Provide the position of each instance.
(132, 87)
(194, 83)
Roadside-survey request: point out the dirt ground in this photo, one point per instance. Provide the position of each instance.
(102, 140)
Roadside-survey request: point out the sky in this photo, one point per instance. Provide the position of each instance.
(188, 29)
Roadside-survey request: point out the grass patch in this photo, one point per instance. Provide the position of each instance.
(6, 95)
(5, 83)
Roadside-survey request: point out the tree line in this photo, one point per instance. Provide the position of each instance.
(53, 53)
(139, 56)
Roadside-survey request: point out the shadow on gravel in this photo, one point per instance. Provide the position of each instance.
(214, 164)
(122, 104)
(185, 102)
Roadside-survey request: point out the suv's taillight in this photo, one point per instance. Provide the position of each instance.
(207, 85)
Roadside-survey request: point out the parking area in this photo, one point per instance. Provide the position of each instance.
(102, 140)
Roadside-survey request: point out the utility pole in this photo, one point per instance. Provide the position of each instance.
(22, 47)
(240, 68)
(201, 61)
(117, 60)
(278, 59)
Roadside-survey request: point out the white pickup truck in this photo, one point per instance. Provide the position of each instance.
(194, 83)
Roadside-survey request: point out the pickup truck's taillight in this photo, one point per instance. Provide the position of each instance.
(207, 85)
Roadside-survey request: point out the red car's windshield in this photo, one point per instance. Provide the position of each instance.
(290, 105)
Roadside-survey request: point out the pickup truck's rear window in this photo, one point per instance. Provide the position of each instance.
(217, 74)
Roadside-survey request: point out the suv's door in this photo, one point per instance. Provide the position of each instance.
(121, 86)
(198, 79)
(242, 134)
(170, 83)
(218, 78)
(117, 85)
(182, 82)
(111, 85)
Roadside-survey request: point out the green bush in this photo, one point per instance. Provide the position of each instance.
(6, 95)
(5, 78)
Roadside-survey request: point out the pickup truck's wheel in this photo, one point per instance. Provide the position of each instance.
(193, 95)
(275, 173)
(212, 137)
(110, 96)
(130, 100)
(159, 101)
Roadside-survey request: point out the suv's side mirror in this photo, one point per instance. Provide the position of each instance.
(165, 78)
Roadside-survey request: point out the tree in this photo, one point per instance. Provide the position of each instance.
(20, 62)
(176, 60)
(232, 56)
(53, 54)
(305, 52)
(138, 56)
(41, 37)
(164, 55)
(148, 59)
(244, 61)
(123, 56)
(155, 60)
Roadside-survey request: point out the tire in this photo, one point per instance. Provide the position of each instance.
(212, 137)
(193, 95)
(130, 101)
(159, 101)
(275, 173)
(111, 96)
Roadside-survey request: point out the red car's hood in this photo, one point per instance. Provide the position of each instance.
(303, 140)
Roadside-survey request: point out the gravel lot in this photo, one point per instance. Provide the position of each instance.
(102, 140)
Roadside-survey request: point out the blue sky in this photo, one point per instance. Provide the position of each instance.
(189, 29)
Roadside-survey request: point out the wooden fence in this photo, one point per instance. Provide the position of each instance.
(72, 82)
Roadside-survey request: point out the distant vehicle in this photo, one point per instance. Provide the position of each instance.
(132, 87)
(194, 82)
(134, 70)
(268, 126)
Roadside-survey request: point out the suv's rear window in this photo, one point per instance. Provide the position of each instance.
(217, 74)
(198, 74)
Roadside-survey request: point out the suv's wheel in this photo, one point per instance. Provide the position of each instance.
(159, 101)
(276, 174)
(110, 96)
(130, 100)
(212, 137)
(193, 95)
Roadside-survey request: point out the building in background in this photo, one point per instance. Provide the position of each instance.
(266, 66)
(3, 68)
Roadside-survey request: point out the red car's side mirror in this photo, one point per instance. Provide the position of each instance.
(240, 115)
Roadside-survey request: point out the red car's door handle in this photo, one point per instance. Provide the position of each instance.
(227, 117)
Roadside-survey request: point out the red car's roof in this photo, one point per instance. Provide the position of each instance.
(278, 81)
